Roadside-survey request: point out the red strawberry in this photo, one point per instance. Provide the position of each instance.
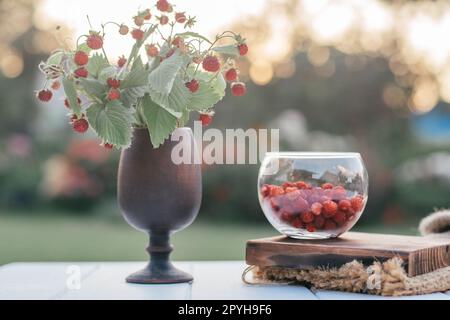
(340, 218)
(123, 30)
(307, 217)
(301, 205)
(206, 119)
(45, 95)
(265, 190)
(180, 17)
(319, 222)
(316, 209)
(80, 125)
(137, 34)
(178, 41)
(290, 190)
(113, 94)
(197, 59)
(238, 89)
(163, 20)
(288, 185)
(81, 58)
(81, 73)
(275, 204)
(231, 75)
(147, 14)
(276, 191)
(327, 186)
(95, 41)
(339, 193)
(139, 21)
(211, 64)
(297, 223)
(163, 5)
(357, 203)
(193, 85)
(56, 85)
(67, 103)
(121, 62)
(311, 228)
(330, 209)
(292, 194)
(345, 205)
(113, 83)
(302, 185)
(152, 50)
(330, 225)
(243, 49)
(287, 217)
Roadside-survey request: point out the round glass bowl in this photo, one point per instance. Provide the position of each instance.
(313, 195)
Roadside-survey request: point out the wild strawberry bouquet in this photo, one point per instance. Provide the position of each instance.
(180, 73)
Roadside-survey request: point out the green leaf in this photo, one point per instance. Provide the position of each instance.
(205, 98)
(177, 101)
(112, 123)
(94, 88)
(71, 94)
(184, 118)
(55, 59)
(137, 77)
(84, 47)
(163, 77)
(231, 50)
(161, 124)
(130, 96)
(108, 72)
(220, 85)
(212, 90)
(217, 80)
(96, 64)
(191, 34)
(153, 64)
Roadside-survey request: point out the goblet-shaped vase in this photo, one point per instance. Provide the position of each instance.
(159, 197)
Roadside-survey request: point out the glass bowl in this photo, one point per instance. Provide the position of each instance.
(313, 195)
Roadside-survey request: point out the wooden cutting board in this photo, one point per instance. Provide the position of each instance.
(421, 255)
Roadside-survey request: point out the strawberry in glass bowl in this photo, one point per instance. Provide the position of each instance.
(313, 195)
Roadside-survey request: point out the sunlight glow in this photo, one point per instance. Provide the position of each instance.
(411, 36)
(332, 22)
(11, 64)
(73, 13)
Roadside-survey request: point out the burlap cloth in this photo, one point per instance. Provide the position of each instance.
(387, 279)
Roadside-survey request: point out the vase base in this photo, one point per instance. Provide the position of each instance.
(157, 276)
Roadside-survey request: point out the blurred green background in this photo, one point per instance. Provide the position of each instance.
(365, 76)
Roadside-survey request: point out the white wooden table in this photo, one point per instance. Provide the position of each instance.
(105, 281)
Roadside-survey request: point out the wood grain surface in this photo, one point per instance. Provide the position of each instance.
(421, 255)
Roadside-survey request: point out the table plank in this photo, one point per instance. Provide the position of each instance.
(335, 295)
(222, 281)
(37, 281)
(108, 283)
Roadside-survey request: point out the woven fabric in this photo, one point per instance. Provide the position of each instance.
(387, 279)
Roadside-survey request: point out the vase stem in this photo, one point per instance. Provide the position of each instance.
(159, 251)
